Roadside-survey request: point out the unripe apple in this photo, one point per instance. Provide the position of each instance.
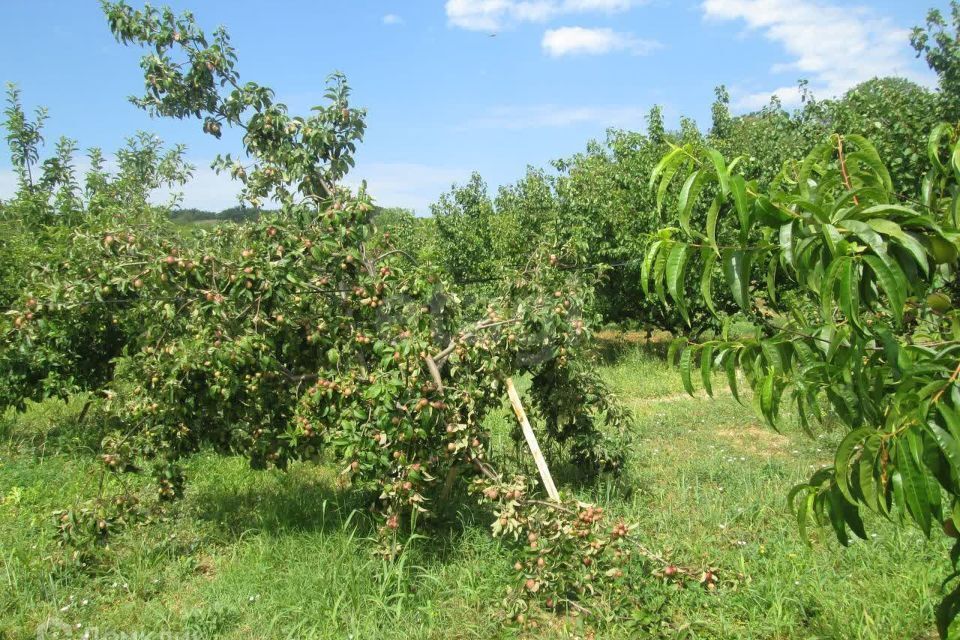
(939, 302)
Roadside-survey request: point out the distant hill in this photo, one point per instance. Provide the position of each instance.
(233, 214)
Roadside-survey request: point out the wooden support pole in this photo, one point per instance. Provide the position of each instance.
(532, 442)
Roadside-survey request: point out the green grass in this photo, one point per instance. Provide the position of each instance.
(277, 555)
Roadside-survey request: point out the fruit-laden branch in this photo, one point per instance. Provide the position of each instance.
(436, 361)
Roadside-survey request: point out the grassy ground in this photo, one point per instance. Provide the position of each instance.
(276, 555)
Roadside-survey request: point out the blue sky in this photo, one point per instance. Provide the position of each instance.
(444, 97)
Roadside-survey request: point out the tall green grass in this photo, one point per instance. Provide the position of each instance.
(286, 555)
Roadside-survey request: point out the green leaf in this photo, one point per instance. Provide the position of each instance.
(851, 515)
(706, 279)
(672, 156)
(867, 153)
(738, 188)
(786, 243)
(723, 176)
(955, 162)
(766, 397)
(659, 268)
(892, 281)
(647, 265)
(712, 214)
(686, 362)
(706, 368)
(771, 353)
(835, 512)
(906, 240)
(868, 235)
(688, 197)
(843, 455)
(868, 476)
(730, 364)
(850, 292)
(676, 271)
(819, 153)
(675, 344)
(934, 141)
(914, 485)
(951, 417)
(948, 445)
(827, 287)
(668, 174)
(772, 277)
(736, 271)
(803, 515)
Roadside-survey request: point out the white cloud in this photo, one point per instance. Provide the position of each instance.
(581, 41)
(788, 96)
(392, 18)
(491, 15)
(555, 116)
(403, 184)
(834, 46)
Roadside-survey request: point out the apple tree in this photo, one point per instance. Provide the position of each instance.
(309, 334)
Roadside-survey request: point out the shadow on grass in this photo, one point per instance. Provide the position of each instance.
(55, 426)
(276, 502)
(615, 348)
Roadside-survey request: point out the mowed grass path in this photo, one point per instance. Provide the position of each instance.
(285, 555)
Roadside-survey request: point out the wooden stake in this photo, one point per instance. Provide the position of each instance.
(532, 442)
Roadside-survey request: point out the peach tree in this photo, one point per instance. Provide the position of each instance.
(308, 334)
(869, 336)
